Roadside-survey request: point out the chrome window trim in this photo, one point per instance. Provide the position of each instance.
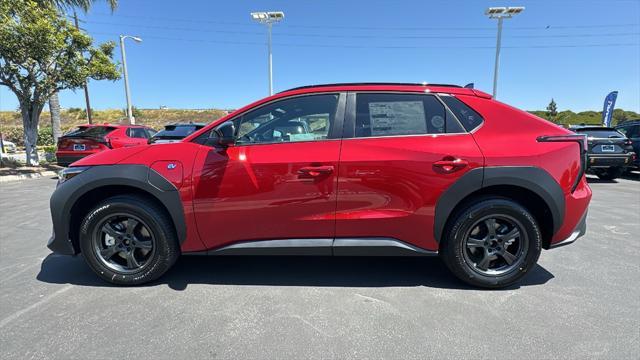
(424, 93)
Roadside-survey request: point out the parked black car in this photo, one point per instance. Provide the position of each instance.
(609, 152)
(175, 132)
(631, 129)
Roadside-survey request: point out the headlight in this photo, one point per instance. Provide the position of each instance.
(68, 173)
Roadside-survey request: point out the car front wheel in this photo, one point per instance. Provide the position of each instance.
(128, 240)
(491, 243)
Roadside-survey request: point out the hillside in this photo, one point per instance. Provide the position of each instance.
(11, 122)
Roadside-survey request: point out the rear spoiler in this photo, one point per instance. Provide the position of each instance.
(582, 142)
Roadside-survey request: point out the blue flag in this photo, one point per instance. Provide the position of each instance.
(607, 111)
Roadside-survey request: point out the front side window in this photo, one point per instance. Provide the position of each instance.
(304, 118)
(632, 131)
(380, 114)
(139, 133)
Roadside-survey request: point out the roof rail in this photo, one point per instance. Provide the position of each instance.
(369, 83)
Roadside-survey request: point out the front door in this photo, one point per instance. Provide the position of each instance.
(400, 152)
(278, 181)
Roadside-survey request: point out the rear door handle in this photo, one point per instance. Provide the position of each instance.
(450, 164)
(315, 171)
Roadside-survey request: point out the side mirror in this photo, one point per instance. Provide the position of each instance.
(223, 135)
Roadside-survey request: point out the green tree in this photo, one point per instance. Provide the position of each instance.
(82, 4)
(552, 111)
(54, 101)
(42, 53)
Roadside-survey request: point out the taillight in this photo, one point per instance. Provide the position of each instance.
(582, 142)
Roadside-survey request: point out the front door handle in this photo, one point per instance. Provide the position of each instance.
(450, 164)
(315, 171)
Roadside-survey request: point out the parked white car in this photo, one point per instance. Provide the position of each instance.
(9, 147)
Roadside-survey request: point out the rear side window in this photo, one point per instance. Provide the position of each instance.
(402, 114)
(469, 118)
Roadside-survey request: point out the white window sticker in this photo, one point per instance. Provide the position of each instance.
(397, 118)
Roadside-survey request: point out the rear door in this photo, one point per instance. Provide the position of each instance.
(399, 153)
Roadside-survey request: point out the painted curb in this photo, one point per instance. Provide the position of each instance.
(36, 175)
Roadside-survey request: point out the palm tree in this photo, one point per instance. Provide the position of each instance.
(81, 4)
(54, 101)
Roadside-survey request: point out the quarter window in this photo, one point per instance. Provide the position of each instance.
(469, 118)
(402, 114)
(305, 118)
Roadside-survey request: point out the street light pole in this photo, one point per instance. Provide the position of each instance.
(130, 117)
(269, 26)
(497, 62)
(268, 18)
(500, 13)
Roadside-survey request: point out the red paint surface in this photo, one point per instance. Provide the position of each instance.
(385, 186)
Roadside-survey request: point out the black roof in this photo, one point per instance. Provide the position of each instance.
(370, 83)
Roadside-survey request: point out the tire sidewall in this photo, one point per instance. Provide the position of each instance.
(456, 237)
(162, 254)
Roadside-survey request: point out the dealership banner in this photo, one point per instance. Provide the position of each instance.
(607, 111)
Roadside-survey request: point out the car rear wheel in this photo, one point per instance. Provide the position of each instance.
(492, 243)
(128, 240)
(610, 173)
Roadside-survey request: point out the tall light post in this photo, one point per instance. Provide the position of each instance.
(126, 75)
(500, 13)
(268, 18)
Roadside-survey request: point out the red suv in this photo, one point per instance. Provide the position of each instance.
(89, 139)
(343, 170)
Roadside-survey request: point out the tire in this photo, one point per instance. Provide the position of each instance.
(611, 173)
(149, 223)
(468, 242)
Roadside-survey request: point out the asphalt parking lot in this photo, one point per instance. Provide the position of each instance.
(582, 301)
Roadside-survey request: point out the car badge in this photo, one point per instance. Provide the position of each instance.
(171, 166)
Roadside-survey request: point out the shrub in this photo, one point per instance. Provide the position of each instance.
(45, 136)
(49, 149)
(14, 134)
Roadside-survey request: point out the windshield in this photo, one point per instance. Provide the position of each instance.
(179, 131)
(601, 133)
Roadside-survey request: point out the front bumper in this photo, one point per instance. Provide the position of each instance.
(609, 160)
(579, 231)
(62, 202)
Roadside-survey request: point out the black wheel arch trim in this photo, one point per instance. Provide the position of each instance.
(532, 178)
(140, 177)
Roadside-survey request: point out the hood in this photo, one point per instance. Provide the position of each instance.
(111, 157)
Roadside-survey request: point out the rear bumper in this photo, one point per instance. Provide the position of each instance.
(65, 158)
(578, 232)
(609, 160)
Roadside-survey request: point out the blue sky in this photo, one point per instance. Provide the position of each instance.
(206, 54)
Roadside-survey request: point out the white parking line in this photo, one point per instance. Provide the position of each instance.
(19, 313)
